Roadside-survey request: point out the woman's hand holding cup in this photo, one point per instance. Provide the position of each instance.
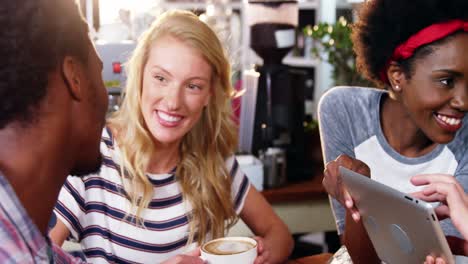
(263, 253)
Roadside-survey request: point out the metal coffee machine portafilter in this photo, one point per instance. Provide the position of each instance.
(272, 35)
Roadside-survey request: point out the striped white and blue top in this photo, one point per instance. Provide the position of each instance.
(95, 210)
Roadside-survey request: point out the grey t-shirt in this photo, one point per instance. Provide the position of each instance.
(350, 124)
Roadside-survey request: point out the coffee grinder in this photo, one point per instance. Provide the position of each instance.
(279, 112)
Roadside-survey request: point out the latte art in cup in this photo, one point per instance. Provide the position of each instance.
(228, 247)
(230, 250)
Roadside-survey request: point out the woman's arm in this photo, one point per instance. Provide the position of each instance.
(59, 233)
(357, 242)
(354, 237)
(259, 216)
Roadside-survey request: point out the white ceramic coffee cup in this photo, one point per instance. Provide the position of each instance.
(243, 257)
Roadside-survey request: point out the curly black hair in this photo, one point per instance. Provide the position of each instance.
(384, 24)
(35, 36)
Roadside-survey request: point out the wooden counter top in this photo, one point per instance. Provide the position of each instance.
(299, 191)
(316, 259)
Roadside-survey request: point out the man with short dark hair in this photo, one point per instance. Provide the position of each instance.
(52, 110)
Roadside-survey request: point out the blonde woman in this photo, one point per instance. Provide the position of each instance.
(169, 180)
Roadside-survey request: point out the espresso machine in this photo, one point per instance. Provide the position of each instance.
(114, 56)
(279, 115)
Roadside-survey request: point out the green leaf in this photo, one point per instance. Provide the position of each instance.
(334, 40)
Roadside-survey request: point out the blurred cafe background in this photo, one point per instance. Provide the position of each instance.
(285, 54)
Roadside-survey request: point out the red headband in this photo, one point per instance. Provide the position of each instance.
(425, 36)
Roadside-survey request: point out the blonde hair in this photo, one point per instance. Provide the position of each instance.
(202, 172)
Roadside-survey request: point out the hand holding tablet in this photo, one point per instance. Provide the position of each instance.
(402, 229)
(333, 182)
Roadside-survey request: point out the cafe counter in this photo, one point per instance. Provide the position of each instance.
(303, 206)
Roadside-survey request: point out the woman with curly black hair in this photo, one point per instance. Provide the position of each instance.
(418, 52)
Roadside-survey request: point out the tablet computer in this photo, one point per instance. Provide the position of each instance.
(402, 229)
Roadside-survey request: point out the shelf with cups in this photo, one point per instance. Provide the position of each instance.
(308, 5)
(192, 5)
(297, 61)
(195, 5)
(290, 60)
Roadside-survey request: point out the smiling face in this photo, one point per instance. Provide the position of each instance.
(176, 88)
(436, 95)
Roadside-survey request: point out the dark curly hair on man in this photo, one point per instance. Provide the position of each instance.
(384, 24)
(35, 36)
